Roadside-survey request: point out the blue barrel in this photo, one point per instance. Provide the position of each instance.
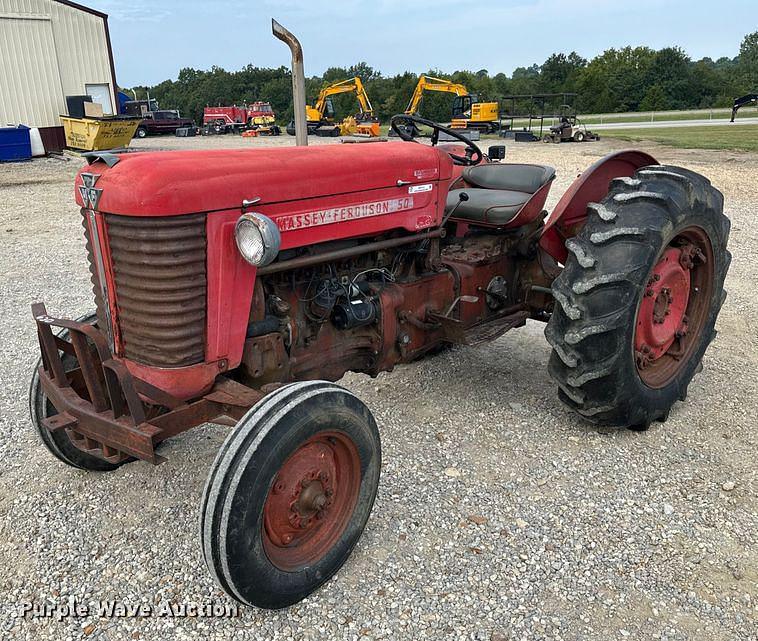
(15, 143)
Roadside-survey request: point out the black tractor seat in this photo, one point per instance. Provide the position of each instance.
(499, 191)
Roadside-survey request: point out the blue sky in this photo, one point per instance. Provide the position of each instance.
(153, 39)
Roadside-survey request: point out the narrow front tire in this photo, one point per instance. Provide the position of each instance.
(290, 493)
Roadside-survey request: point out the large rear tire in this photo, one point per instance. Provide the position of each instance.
(58, 443)
(290, 493)
(638, 299)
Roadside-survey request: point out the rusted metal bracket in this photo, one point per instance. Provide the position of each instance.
(102, 406)
(455, 332)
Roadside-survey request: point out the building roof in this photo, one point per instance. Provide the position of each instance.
(81, 7)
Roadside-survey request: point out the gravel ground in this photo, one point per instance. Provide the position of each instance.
(500, 515)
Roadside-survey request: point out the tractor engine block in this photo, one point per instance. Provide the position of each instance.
(368, 313)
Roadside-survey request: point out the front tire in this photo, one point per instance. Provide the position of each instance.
(58, 443)
(289, 493)
(141, 132)
(638, 299)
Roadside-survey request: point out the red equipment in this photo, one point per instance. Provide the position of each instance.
(257, 115)
(260, 109)
(225, 116)
(226, 282)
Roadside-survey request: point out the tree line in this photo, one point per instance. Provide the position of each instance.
(618, 80)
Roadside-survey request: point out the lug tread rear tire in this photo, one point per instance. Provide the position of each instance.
(592, 326)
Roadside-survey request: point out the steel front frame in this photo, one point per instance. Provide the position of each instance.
(107, 411)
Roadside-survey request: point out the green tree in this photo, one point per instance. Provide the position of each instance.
(747, 63)
(655, 99)
(559, 72)
(626, 79)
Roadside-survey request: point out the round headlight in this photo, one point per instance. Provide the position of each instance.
(258, 238)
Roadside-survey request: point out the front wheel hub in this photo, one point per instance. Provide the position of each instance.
(311, 501)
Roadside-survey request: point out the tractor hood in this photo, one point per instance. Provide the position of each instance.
(173, 183)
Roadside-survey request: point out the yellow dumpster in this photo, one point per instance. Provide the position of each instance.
(96, 134)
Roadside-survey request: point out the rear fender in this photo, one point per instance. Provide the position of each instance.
(590, 187)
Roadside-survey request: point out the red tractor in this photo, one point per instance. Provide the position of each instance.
(231, 286)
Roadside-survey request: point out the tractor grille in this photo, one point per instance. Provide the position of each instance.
(100, 304)
(159, 269)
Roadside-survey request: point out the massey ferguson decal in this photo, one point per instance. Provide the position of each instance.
(343, 214)
(425, 174)
(89, 193)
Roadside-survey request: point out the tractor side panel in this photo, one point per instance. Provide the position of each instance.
(352, 215)
(314, 194)
(230, 292)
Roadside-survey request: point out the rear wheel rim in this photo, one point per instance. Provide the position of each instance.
(311, 501)
(674, 307)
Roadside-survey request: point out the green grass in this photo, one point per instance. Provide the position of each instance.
(715, 114)
(658, 116)
(737, 137)
(730, 137)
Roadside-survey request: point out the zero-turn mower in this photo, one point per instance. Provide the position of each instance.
(570, 129)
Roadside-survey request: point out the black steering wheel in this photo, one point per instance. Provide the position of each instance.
(403, 124)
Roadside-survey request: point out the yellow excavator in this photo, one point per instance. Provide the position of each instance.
(320, 117)
(467, 111)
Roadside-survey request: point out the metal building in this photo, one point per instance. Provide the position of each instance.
(50, 49)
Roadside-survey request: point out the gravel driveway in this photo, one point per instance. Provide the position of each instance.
(500, 515)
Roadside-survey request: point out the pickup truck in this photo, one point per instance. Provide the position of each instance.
(161, 122)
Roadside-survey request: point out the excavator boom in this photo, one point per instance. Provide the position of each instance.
(429, 83)
(321, 123)
(468, 112)
(353, 85)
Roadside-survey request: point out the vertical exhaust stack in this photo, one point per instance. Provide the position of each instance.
(298, 81)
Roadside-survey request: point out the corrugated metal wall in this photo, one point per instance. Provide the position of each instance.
(48, 50)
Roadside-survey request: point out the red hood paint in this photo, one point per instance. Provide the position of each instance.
(172, 183)
(314, 194)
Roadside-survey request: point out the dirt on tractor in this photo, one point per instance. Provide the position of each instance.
(500, 514)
